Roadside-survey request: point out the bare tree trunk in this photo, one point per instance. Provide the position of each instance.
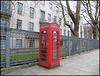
(95, 30)
(74, 41)
(76, 19)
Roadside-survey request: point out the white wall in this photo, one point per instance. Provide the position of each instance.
(26, 18)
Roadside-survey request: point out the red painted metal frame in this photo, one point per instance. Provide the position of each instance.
(49, 63)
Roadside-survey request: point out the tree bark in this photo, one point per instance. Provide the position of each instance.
(95, 30)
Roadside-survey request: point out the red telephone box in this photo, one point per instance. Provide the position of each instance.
(49, 45)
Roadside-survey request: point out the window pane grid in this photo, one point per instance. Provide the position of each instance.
(49, 17)
(5, 6)
(19, 24)
(50, 5)
(31, 12)
(20, 6)
(18, 43)
(4, 21)
(31, 26)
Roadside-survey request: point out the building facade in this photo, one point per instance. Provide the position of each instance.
(88, 31)
(28, 15)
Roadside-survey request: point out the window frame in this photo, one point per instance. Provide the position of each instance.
(49, 17)
(3, 20)
(31, 12)
(20, 24)
(41, 15)
(3, 43)
(42, 2)
(57, 9)
(50, 5)
(5, 7)
(30, 25)
(60, 21)
(19, 46)
(31, 41)
(55, 19)
(20, 8)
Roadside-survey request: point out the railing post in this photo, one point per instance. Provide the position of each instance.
(87, 45)
(80, 45)
(68, 44)
(7, 48)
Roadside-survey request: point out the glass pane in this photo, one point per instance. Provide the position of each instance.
(54, 36)
(43, 44)
(54, 40)
(43, 36)
(54, 51)
(54, 47)
(43, 32)
(19, 23)
(54, 43)
(43, 40)
(55, 32)
(43, 55)
(43, 47)
(43, 59)
(31, 12)
(20, 8)
(43, 51)
(18, 43)
(55, 55)
(54, 59)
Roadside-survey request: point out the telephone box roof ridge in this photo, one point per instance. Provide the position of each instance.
(50, 23)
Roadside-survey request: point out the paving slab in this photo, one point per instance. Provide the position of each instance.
(86, 63)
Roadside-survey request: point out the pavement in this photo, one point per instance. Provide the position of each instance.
(86, 63)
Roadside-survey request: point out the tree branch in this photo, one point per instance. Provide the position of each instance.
(89, 11)
(87, 20)
(96, 11)
(78, 11)
(65, 19)
(70, 12)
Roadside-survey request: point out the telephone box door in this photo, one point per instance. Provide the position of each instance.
(43, 47)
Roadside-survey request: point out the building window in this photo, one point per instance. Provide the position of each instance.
(49, 17)
(20, 7)
(4, 21)
(42, 17)
(31, 43)
(55, 18)
(3, 44)
(43, 3)
(50, 5)
(19, 24)
(31, 25)
(18, 43)
(60, 21)
(5, 6)
(57, 9)
(60, 31)
(65, 32)
(31, 12)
